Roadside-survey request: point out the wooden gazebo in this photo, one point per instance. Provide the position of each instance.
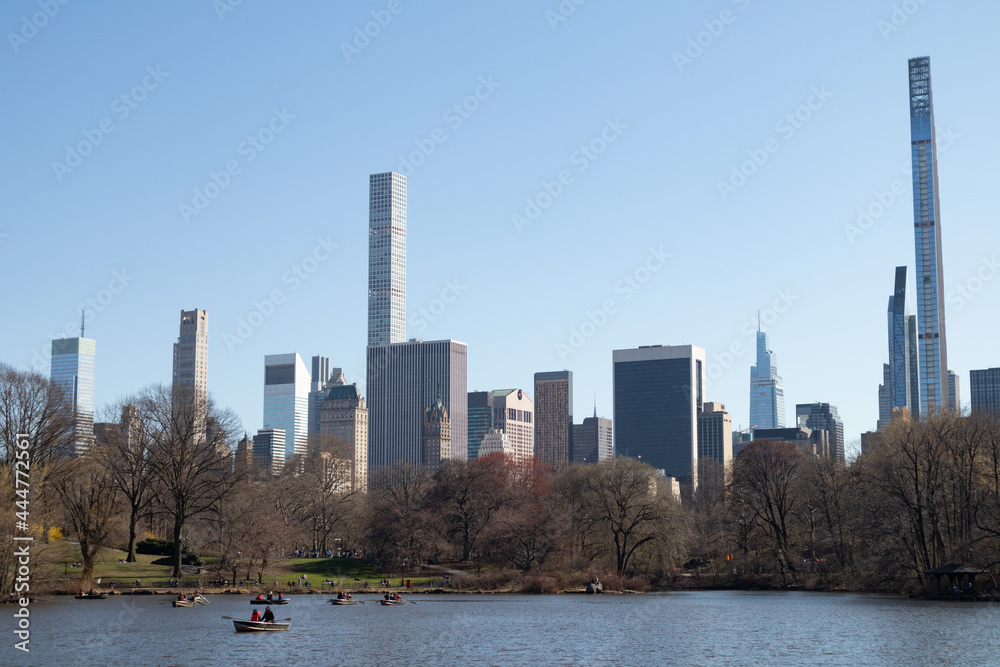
(961, 580)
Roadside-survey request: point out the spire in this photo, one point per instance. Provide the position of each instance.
(595, 405)
(83, 322)
(758, 320)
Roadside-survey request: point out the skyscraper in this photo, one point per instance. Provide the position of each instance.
(513, 413)
(884, 400)
(480, 420)
(269, 451)
(554, 417)
(767, 395)
(954, 393)
(344, 417)
(386, 259)
(317, 390)
(984, 389)
(286, 400)
(403, 379)
(72, 371)
(903, 382)
(658, 393)
(191, 356)
(933, 352)
(715, 434)
(593, 440)
(823, 416)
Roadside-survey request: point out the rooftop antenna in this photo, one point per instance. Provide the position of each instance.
(595, 404)
(83, 323)
(758, 320)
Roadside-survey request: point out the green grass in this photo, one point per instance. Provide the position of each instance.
(53, 563)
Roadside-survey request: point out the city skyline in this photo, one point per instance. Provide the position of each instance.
(581, 275)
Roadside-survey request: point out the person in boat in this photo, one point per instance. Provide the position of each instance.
(255, 616)
(281, 596)
(181, 597)
(398, 597)
(268, 615)
(260, 597)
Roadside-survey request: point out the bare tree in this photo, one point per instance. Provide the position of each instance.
(622, 495)
(125, 452)
(189, 457)
(765, 477)
(398, 523)
(467, 497)
(89, 496)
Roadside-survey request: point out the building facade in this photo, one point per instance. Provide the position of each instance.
(243, 456)
(495, 441)
(884, 400)
(286, 400)
(593, 440)
(904, 382)
(954, 392)
(767, 393)
(823, 416)
(437, 435)
(403, 379)
(554, 417)
(513, 413)
(344, 418)
(386, 259)
(715, 434)
(73, 365)
(480, 420)
(319, 377)
(658, 393)
(814, 442)
(984, 390)
(269, 451)
(190, 372)
(933, 349)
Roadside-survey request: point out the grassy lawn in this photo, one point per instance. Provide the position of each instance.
(54, 560)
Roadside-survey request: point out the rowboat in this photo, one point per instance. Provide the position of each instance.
(92, 596)
(266, 601)
(259, 626)
(390, 603)
(183, 603)
(340, 602)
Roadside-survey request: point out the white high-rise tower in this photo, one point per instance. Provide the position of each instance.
(386, 258)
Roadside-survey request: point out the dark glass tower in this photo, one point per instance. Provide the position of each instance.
(903, 376)
(933, 355)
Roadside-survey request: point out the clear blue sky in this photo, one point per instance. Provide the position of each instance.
(678, 129)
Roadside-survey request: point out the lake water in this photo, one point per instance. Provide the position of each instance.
(695, 628)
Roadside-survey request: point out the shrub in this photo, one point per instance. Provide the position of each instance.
(640, 584)
(542, 583)
(155, 547)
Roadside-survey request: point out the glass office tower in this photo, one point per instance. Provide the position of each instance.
(903, 364)
(767, 395)
(286, 400)
(658, 393)
(386, 259)
(73, 371)
(933, 355)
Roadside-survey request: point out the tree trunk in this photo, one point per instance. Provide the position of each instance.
(132, 520)
(178, 524)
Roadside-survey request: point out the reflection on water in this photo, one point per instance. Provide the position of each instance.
(697, 628)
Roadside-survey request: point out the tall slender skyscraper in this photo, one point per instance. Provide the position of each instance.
(286, 400)
(191, 355)
(903, 385)
(933, 353)
(386, 259)
(767, 395)
(954, 394)
(73, 372)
